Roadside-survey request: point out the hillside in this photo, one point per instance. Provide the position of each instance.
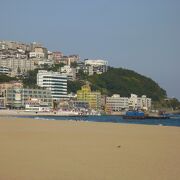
(124, 82)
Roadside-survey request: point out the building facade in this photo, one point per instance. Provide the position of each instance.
(55, 82)
(98, 66)
(18, 97)
(142, 102)
(115, 103)
(69, 72)
(23, 65)
(93, 98)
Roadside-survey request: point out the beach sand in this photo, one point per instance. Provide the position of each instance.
(69, 150)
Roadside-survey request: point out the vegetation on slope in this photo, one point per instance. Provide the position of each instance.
(5, 78)
(124, 82)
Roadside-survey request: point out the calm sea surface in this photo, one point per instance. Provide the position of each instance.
(173, 121)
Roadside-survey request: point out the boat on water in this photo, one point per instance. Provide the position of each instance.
(142, 115)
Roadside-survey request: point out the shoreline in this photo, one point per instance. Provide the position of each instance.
(172, 122)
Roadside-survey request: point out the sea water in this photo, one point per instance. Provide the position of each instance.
(173, 121)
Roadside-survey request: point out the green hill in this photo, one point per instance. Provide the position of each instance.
(124, 82)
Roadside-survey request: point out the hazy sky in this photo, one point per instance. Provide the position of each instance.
(141, 35)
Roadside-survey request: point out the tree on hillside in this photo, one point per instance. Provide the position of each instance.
(5, 78)
(30, 81)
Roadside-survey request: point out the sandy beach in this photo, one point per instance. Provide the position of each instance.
(69, 150)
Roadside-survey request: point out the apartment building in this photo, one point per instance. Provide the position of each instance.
(18, 64)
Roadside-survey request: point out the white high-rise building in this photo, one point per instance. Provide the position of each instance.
(54, 81)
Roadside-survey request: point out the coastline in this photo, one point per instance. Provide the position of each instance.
(70, 150)
(29, 113)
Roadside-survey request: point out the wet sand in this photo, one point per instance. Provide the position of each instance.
(69, 150)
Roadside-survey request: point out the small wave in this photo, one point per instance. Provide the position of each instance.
(40, 118)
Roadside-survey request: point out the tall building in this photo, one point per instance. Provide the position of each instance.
(93, 98)
(53, 81)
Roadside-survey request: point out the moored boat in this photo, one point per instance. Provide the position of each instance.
(142, 115)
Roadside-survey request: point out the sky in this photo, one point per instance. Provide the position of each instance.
(141, 35)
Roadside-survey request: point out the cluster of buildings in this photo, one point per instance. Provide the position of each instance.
(17, 58)
(51, 92)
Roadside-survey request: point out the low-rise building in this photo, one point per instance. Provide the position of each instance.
(142, 102)
(92, 97)
(19, 97)
(99, 66)
(116, 103)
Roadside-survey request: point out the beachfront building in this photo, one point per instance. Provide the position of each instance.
(116, 103)
(19, 97)
(35, 104)
(98, 66)
(7, 85)
(54, 81)
(92, 97)
(142, 102)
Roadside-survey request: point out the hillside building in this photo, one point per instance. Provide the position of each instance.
(22, 65)
(69, 72)
(98, 66)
